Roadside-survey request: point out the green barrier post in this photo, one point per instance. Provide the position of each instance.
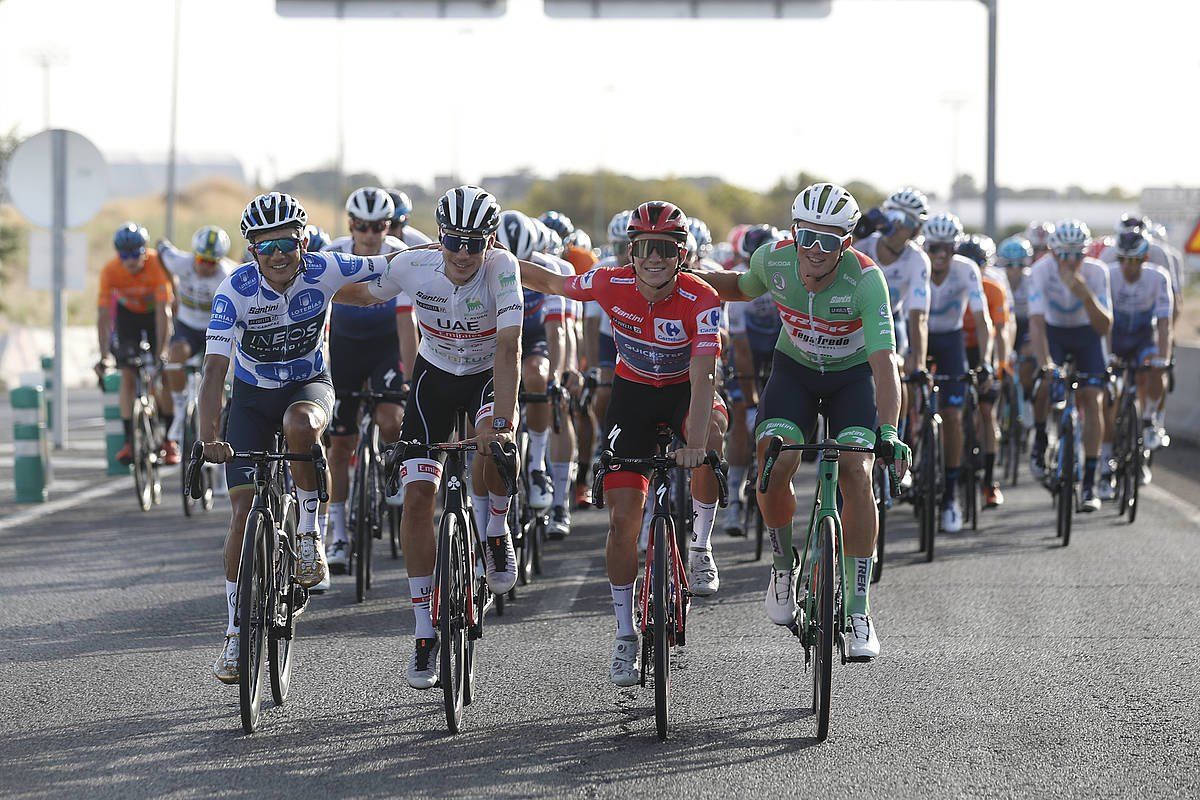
(29, 444)
(114, 431)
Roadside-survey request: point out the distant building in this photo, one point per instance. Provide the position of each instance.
(136, 176)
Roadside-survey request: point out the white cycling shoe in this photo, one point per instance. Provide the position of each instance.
(1105, 487)
(500, 561)
(337, 556)
(703, 578)
(625, 669)
(423, 664)
(541, 492)
(862, 643)
(780, 601)
(311, 568)
(952, 518)
(226, 667)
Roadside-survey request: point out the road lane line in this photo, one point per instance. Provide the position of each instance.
(1159, 494)
(25, 516)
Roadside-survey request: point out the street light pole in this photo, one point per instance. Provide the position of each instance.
(170, 226)
(989, 192)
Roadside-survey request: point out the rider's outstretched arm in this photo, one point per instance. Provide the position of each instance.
(540, 279)
(726, 284)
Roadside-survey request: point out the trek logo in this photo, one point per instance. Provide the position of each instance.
(862, 576)
(670, 330)
(306, 303)
(708, 322)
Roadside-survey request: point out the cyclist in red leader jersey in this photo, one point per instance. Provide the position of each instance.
(666, 327)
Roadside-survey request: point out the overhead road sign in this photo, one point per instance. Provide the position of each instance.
(685, 9)
(413, 9)
(30, 185)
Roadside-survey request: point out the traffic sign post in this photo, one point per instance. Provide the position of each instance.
(58, 180)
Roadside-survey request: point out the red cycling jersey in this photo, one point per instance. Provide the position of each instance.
(655, 341)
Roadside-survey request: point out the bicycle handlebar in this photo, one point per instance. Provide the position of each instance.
(777, 446)
(503, 456)
(316, 455)
(608, 462)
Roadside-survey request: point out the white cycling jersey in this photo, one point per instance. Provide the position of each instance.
(280, 338)
(591, 308)
(1136, 305)
(1166, 257)
(907, 277)
(1020, 294)
(554, 304)
(195, 291)
(413, 237)
(1050, 298)
(458, 324)
(959, 292)
(1001, 277)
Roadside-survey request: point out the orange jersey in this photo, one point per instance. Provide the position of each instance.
(997, 304)
(582, 260)
(138, 293)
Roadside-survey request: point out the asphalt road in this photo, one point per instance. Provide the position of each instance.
(1010, 668)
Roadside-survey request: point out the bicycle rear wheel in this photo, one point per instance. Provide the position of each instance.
(453, 582)
(363, 536)
(140, 448)
(254, 590)
(1066, 481)
(189, 436)
(823, 579)
(881, 489)
(931, 476)
(282, 634)
(1133, 477)
(662, 599)
(394, 513)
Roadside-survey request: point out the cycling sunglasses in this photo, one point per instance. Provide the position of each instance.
(1068, 255)
(934, 248)
(456, 242)
(272, 246)
(206, 260)
(828, 242)
(644, 248)
(896, 217)
(374, 227)
(130, 255)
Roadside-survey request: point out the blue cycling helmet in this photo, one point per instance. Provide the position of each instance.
(558, 222)
(1015, 251)
(1132, 244)
(130, 237)
(317, 238)
(403, 206)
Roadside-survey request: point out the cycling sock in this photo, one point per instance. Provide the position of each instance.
(308, 510)
(561, 474)
(737, 476)
(989, 468)
(498, 515)
(175, 430)
(1089, 472)
(231, 600)
(420, 590)
(127, 424)
(1106, 449)
(337, 517)
(479, 507)
(858, 574)
(952, 474)
(703, 515)
(537, 449)
(622, 597)
(323, 521)
(781, 547)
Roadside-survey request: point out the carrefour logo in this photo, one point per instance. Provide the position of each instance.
(223, 314)
(670, 330)
(708, 322)
(306, 304)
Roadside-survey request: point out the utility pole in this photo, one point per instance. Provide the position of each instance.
(989, 191)
(170, 227)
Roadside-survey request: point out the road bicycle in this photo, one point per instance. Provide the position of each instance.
(269, 598)
(663, 596)
(191, 426)
(145, 442)
(1129, 446)
(822, 620)
(928, 463)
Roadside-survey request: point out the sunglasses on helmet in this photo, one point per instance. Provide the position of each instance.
(828, 242)
(644, 248)
(375, 227)
(272, 246)
(455, 243)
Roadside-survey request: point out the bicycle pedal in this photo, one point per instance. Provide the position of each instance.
(300, 597)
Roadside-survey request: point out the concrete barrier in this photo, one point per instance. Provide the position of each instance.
(1183, 406)
(21, 351)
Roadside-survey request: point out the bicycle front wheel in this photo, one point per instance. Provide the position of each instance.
(1066, 482)
(362, 529)
(1133, 477)
(282, 634)
(254, 590)
(140, 445)
(824, 577)
(453, 582)
(881, 489)
(661, 528)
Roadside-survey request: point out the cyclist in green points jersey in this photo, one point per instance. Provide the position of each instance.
(834, 357)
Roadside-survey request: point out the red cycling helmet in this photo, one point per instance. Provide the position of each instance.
(661, 217)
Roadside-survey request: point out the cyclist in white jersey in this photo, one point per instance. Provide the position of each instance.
(955, 289)
(1014, 257)
(1070, 313)
(466, 294)
(1160, 253)
(269, 318)
(399, 226)
(1142, 306)
(367, 345)
(196, 276)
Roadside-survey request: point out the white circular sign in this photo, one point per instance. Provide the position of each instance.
(29, 178)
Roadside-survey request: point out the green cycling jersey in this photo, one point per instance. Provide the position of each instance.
(831, 330)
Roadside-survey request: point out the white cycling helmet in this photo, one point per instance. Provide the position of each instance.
(943, 228)
(468, 209)
(579, 238)
(554, 242)
(1070, 234)
(826, 204)
(517, 234)
(912, 202)
(370, 204)
(541, 241)
(618, 227)
(273, 210)
(210, 242)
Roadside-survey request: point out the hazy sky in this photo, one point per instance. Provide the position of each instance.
(1091, 92)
